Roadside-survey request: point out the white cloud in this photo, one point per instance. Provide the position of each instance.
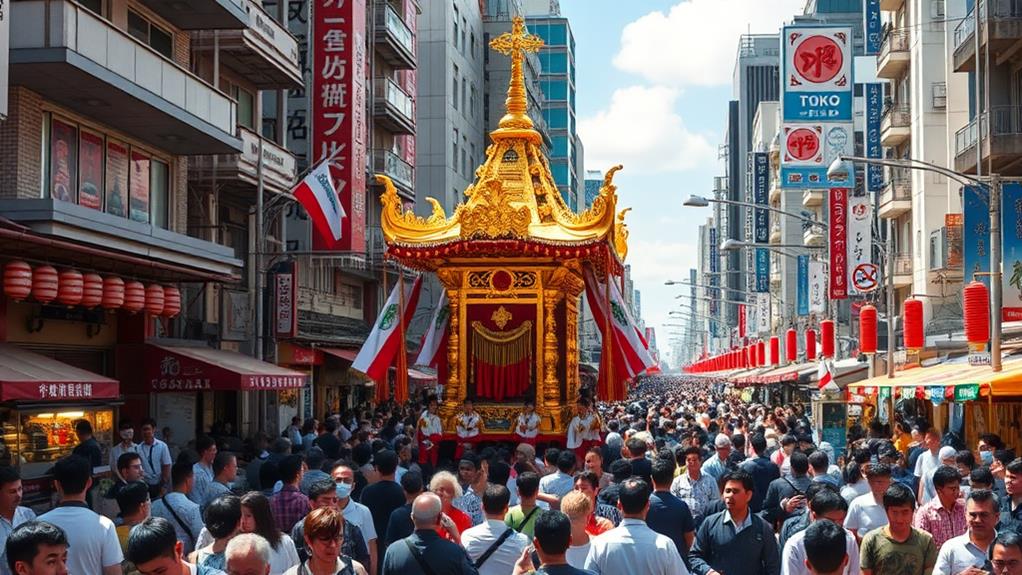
(642, 130)
(695, 44)
(654, 262)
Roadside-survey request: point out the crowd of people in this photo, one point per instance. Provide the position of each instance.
(683, 477)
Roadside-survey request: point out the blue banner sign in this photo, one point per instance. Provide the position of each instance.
(874, 93)
(871, 26)
(760, 183)
(802, 286)
(976, 234)
(762, 270)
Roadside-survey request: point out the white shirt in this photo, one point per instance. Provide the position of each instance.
(559, 484)
(154, 457)
(92, 539)
(529, 423)
(926, 461)
(429, 424)
(476, 540)
(578, 430)
(633, 547)
(853, 490)
(865, 515)
(360, 516)
(958, 554)
(576, 554)
(355, 566)
(284, 557)
(468, 425)
(21, 515)
(793, 559)
(117, 451)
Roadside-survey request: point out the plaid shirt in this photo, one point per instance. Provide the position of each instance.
(941, 523)
(289, 506)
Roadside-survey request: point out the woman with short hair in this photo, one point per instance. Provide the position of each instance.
(324, 538)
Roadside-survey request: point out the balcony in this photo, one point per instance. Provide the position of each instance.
(814, 235)
(76, 59)
(1000, 131)
(812, 198)
(775, 233)
(894, 56)
(896, 199)
(240, 172)
(902, 270)
(392, 107)
(264, 52)
(895, 125)
(401, 172)
(201, 14)
(1000, 28)
(891, 5)
(393, 40)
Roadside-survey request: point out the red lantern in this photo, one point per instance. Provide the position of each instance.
(775, 350)
(810, 344)
(44, 284)
(134, 296)
(914, 337)
(71, 288)
(171, 301)
(154, 299)
(791, 345)
(113, 292)
(868, 329)
(17, 280)
(92, 290)
(977, 313)
(761, 355)
(752, 355)
(827, 337)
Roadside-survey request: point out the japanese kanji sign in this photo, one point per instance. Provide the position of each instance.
(976, 234)
(871, 26)
(760, 182)
(1011, 233)
(838, 203)
(874, 92)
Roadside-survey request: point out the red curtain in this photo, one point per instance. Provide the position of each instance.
(502, 381)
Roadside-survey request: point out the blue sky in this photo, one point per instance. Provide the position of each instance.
(653, 82)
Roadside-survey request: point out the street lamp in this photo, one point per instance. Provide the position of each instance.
(842, 166)
(704, 286)
(733, 244)
(695, 201)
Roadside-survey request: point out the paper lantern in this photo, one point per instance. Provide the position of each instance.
(113, 292)
(171, 301)
(17, 280)
(977, 313)
(154, 299)
(92, 290)
(791, 345)
(761, 353)
(45, 281)
(134, 296)
(810, 344)
(827, 337)
(914, 337)
(69, 292)
(775, 350)
(868, 329)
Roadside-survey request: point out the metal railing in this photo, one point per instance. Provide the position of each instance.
(390, 20)
(390, 164)
(988, 10)
(896, 116)
(895, 41)
(902, 264)
(898, 186)
(999, 121)
(387, 89)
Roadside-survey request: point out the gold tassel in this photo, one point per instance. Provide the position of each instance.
(501, 348)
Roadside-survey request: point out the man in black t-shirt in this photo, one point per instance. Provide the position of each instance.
(383, 497)
(552, 538)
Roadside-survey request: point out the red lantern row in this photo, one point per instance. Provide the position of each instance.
(72, 288)
(977, 314)
(913, 319)
(755, 354)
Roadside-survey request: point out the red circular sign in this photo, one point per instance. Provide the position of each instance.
(818, 59)
(803, 144)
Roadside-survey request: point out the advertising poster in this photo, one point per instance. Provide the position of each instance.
(90, 187)
(1011, 233)
(838, 205)
(860, 234)
(976, 234)
(116, 178)
(139, 187)
(802, 286)
(63, 161)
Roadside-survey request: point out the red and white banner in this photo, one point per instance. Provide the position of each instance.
(383, 343)
(318, 196)
(436, 333)
(838, 203)
(338, 103)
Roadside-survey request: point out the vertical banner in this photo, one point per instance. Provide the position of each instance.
(751, 321)
(871, 26)
(802, 286)
(90, 186)
(338, 111)
(976, 234)
(760, 179)
(762, 270)
(874, 93)
(116, 178)
(1011, 232)
(817, 287)
(953, 224)
(860, 235)
(762, 313)
(714, 278)
(285, 301)
(838, 205)
(742, 321)
(138, 200)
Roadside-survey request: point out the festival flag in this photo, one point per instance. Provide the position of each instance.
(318, 196)
(435, 334)
(826, 382)
(384, 342)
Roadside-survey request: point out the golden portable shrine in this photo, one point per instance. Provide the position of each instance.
(511, 259)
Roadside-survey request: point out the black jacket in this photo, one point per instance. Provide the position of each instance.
(753, 551)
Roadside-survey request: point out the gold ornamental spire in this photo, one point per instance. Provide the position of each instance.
(514, 44)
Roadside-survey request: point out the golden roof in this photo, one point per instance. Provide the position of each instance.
(513, 196)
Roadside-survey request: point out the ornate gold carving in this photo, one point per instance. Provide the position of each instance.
(454, 391)
(491, 215)
(398, 223)
(501, 317)
(515, 44)
(551, 388)
(621, 234)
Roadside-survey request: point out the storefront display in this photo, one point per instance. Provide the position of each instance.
(34, 439)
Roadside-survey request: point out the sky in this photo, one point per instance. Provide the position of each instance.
(653, 80)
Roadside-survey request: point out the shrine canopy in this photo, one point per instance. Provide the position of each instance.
(513, 208)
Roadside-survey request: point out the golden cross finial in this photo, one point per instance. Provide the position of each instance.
(514, 44)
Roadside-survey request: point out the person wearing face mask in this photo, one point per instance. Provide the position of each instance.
(344, 477)
(126, 431)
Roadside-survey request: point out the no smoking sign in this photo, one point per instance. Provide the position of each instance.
(866, 277)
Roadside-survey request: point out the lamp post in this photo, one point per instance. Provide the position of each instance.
(992, 182)
(694, 201)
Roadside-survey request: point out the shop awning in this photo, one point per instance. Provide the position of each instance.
(345, 354)
(25, 375)
(416, 375)
(778, 375)
(942, 377)
(185, 368)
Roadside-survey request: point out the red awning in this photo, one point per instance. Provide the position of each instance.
(25, 375)
(183, 368)
(345, 354)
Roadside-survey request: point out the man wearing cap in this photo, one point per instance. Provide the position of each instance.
(716, 465)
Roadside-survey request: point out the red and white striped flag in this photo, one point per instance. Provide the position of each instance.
(826, 382)
(384, 341)
(318, 196)
(435, 334)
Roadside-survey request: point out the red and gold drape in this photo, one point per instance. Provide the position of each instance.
(501, 361)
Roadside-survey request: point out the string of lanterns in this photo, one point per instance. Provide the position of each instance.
(71, 288)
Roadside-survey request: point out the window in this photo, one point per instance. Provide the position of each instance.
(454, 148)
(553, 62)
(472, 102)
(556, 118)
(464, 29)
(552, 34)
(159, 190)
(454, 87)
(560, 173)
(150, 34)
(464, 92)
(473, 45)
(93, 5)
(456, 26)
(559, 148)
(464, 155)
(246, 102)
(554, 89)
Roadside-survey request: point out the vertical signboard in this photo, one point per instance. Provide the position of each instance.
(802, 286)
(953, 224)
(5, 32)
(871, 26)
(838, 205)
(760, 179)
(860, 234)
(762, 313)
(816, 104)
(874, 94)
(338, 103)
(762, 270)
(714, 278)
(976, 234)
(285, 301)
(817, 287)
(1011, 232)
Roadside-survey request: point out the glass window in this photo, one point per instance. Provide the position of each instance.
(556, 118)
(560, 172)
(159, 173)
(153, 36)
(246, 108)
(560, 147)
(555, 89)
(45, 437)
(553, 62)
(454, 87)
(95, 6)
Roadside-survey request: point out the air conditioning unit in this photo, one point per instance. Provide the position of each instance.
(938, 91)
